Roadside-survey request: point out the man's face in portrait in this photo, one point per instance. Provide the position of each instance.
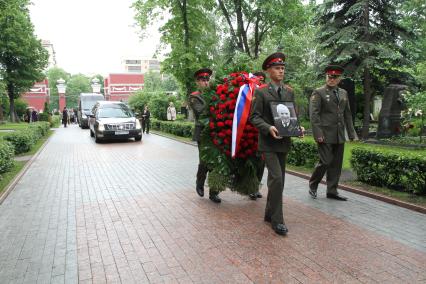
(276, 73)
(333, 80)
(283, 113)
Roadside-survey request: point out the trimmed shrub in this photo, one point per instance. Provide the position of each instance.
(21, 140)
(183, 129)
(303, 153)
(400, 172)
(56, 121)
(6, 156)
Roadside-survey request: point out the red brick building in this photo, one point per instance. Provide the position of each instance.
(119, 87)
(38, 94)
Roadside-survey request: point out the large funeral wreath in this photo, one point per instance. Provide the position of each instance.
(239, 172)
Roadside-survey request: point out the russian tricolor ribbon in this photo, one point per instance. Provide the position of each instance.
(242, 113)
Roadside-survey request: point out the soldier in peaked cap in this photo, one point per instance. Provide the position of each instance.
(329, 114)
(273, 147)
(199, 105)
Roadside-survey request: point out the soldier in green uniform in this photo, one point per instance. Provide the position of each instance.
(273, 147)
(329, 113)
(198, 105)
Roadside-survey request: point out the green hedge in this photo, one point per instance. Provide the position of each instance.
(303, 153)
(401, 172)
(22, 140)
(6, 156)
(183, 129)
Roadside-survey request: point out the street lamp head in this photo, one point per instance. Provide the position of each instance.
(61, 86)
(96, 87)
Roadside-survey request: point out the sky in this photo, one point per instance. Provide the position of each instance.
(91, 36)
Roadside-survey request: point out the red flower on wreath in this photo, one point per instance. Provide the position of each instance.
(222, 109)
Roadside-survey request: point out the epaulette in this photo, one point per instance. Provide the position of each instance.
(288, 88)
(196, 93)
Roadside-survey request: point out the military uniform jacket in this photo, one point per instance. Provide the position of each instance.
(198, 105)
(261, 117)
(329, 115)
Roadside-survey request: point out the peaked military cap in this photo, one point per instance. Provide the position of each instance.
(334, 70)
(275, 59)
(203, 73)
(259, 73)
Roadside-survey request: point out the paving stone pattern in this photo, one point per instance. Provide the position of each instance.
(128, 213)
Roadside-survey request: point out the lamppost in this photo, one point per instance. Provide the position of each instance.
(96, 87)
(61, 91)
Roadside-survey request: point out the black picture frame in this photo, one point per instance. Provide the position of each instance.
(281, 112)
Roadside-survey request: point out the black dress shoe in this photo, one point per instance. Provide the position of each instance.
(253, 196)
(200, 190)
(336, 196)
(280, 229)
(258, 194)
(215, 198)
(267, 219)
(313, 193)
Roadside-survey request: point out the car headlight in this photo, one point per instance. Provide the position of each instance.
(101, 127)
(84, 116)
(138, 124)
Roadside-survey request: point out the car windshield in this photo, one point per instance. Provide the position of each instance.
(88, 102)
(116, 111)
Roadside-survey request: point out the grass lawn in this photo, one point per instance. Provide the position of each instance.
(6, 178)
(15, 126)
(37, 146)
(179, 138)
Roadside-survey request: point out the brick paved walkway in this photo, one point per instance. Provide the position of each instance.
(128, 212)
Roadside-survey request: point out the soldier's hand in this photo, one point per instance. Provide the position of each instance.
(320, 140)
(274, 132)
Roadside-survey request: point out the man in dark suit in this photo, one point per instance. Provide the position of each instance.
(284, 123)
(329, 113)
(274, 147)
(199, 105)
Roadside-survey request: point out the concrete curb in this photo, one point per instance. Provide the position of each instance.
(341, 186)
(367, 193)
(11, 186)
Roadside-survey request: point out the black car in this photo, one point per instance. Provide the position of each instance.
(85, 106)
(113, 120)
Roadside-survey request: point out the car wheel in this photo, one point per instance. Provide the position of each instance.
(97, 140)
(91, 133)
(139, 138)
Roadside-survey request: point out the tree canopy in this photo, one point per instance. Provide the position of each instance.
(22, 56)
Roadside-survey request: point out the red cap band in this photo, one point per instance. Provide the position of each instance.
(275, 60)
(334, 72)
(203, 75)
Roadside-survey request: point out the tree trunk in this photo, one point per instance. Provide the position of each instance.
(235, 38)
(184, 11)
(367, 102)
(10, 93)
(240, 27)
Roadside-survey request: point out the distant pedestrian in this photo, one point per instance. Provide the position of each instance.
(146, 120)
(34, 116)
(65, 117)
(171, 112)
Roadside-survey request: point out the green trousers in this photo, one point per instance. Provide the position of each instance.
(275, 163)
(330, 163)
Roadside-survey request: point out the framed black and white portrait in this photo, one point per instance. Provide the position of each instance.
(285, 119)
